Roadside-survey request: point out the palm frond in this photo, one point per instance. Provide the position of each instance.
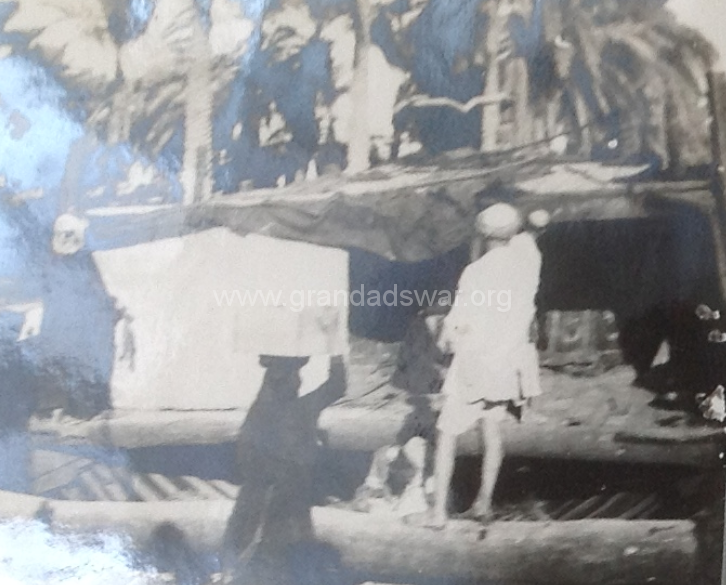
(230, 30)
(590, 42)
(163, 95)
(687, 63)
(162, 130)
(171, 27)
(34, 15)
(688, 128)
(54, 39)
(687, 37)
(625, 103)
(98, 70)
(86, 9)
(73, 35)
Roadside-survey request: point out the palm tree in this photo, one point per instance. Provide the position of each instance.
(288, 28)
(169, 72)
(359, 146)
(630, 62)
(616, 72)
(596, 67)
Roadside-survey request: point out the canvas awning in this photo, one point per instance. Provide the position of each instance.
(405, 214)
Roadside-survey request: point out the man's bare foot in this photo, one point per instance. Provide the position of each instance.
(478, 513)
(426, 519)
(530, 416)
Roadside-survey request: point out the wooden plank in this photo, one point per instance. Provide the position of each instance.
(581, 509)
(584, 552)
(203, 488)
(116, 481)
(366, 429)
(605, 509)
(73, 492)
(167, 487)
(94, 486)
(226, 488)
(648, 504)
(144, 490)
(562, 509)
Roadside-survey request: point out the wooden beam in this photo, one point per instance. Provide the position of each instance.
(582, 552)
(364, 429)
(577, 553)
(717, 100)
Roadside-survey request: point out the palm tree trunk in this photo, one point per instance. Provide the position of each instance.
(359, 145)
(583, 121)
(552, 19)
(119, 124)
(552, 113)
(196, 173)
(491, 111)
(523, 119)
(524, 115)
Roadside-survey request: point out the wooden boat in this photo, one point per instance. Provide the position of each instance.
(83, 481)
(596, 539)
(414, 214)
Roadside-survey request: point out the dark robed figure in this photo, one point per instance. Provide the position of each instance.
(269, 537)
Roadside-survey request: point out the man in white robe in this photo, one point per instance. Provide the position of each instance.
(495, 360)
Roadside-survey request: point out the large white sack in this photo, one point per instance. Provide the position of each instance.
(192, 340)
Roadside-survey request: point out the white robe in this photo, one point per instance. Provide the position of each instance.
(488, 331)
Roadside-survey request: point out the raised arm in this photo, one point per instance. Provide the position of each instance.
(331, 390)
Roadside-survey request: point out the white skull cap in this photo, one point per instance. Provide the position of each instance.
(501, 221)
(69, 233)
(539, 218)
(70, 223)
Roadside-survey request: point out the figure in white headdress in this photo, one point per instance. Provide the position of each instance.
(488, 330)
(69, 234)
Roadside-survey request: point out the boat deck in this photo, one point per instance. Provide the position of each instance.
(601, 419)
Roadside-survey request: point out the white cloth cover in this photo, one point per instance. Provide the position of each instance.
(186, 340)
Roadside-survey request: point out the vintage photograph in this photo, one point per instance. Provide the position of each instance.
(362, 292)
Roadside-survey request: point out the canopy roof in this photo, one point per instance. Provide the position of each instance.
(406, 213)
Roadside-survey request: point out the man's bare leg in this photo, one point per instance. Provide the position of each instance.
(443, 471)
(444, 460)
(491, 464)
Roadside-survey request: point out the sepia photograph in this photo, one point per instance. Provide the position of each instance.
(362, 292)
